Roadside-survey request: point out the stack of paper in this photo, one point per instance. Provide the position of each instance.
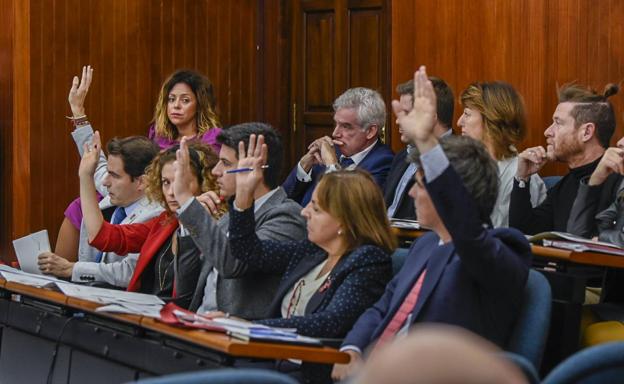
(404, 224)
(16, 276)
(575, 243)
(244, 330)
(116, 301)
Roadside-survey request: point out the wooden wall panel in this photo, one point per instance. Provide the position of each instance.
(133, 45)
(532, 44)
(6, 120)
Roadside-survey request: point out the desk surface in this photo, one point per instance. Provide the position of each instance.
(587, 258)
(212, 340)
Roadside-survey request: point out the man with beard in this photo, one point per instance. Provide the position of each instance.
(583, 124)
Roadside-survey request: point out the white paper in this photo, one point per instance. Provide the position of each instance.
(107, 296)
(28, 279)
(132, 309)
(29, 247)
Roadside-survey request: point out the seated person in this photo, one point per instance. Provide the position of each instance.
(125, 203)
(608, 224)
(186, 108)
(169, 258)
(494, 114)
(461, 273)
(277, 218)
(360, 114)
(583, 124)
(401, 177)
(342, 268)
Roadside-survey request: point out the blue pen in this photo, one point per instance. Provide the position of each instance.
(239, 170)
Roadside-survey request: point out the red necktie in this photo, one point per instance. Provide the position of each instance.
(401, 315)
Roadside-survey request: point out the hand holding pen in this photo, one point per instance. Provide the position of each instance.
(250, 170)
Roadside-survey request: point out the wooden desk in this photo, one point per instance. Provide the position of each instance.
(199, 339)
(585, 258)
(239, 348)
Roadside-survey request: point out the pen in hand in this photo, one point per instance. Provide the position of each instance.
(239, 170)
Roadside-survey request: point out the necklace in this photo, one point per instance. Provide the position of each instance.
(162, 275)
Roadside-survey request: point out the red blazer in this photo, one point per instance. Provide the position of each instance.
(145, 238)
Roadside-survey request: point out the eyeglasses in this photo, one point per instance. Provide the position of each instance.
(295, 298)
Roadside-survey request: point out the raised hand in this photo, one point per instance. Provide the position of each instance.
(254, 159)
(90, 157)
(612, 162)
(79, 90)
(183, 175)
(418, 124)
(530, 161)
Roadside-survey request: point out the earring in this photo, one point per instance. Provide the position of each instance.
(340, 232)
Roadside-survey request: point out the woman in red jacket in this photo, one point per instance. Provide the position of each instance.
(169, 261)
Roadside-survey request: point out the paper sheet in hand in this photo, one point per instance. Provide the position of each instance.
(29, 247)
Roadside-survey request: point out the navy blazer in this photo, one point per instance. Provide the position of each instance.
(355, 283)
(405, 208)
(476, 281)
(377, 162)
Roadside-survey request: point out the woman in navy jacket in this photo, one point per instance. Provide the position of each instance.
(335, 275)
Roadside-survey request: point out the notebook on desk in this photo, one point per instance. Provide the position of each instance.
(242, 330)
(575, 243)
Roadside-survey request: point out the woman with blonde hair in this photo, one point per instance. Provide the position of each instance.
(169, 258)
(494, 114)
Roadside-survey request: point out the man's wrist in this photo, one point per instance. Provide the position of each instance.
(69, 270)
(595, 179)
(426, 145)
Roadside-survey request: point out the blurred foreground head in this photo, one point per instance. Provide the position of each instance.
(441, 354)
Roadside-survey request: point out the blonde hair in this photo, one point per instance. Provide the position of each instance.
(503, 113)
(203, 159)
(205, 117)
(353, 198)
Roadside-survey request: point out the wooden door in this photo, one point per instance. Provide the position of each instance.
(336, 45)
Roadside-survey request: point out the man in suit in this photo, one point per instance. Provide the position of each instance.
(401, 177)
(462, 273)
(360, 114)
(277, 218)
(125, 203)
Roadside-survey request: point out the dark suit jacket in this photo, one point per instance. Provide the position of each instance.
(475, 282)
(405, 209)
(377, 163)
(355, 283)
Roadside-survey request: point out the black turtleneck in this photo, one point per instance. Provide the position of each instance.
(553, 213)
